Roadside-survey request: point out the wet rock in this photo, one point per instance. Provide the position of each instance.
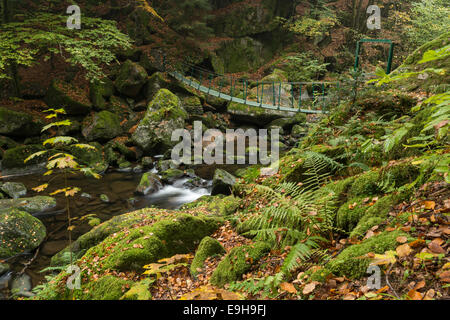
(14, 190)
(101, 126)
(131, 79)
(21, 284)
(19, 232)
(3, 268)
(192, 105)
(64, 95)
(164, 115)
(5, 280)
(222, 182)
(164, 165)
(14, 160)
(104, 198)
(149, 184)
(99, 91)
(171, 175)
(147, 162)
(34, 205)
(18, 124)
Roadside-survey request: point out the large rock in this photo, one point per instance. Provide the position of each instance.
(99, 91)
(18, 124)
(131, 79)
(14, 159)
(92, 158)
(14, 189)
(222, 182)
(101, 126)
(33, 205)
(164, 115)
(64, 95)
(149, 183)
(19, 232)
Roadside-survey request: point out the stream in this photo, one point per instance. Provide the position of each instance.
(119, 187)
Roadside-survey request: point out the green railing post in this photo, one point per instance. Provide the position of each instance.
(300, 98)
(273, 94)
(292, 95)
(257, 92)
(262, 93)
(323, 95)
(220, 87)
(200, 81)
(231, 86)
(210, 82)
(279, 96)
(245, 90)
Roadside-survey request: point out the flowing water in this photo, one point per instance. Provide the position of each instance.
(120, 188)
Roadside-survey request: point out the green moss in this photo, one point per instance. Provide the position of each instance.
(134, 248)
(165, 105)
(131, 79)
(350, 262)
(171, 174)
(208, 247)
(139, 291)
(224, 207)
(19, 232)
(377, 213)
(102, 126)
(105, 288)
(15, 157)
(365, 185)
(238, 261)
(18, 124)
(350, 213)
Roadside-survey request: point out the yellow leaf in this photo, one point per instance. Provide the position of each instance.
(41, 187)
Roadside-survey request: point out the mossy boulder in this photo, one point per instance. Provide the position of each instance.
(208, 247)
(15, 158)
(92, 158)
(64, 95)
(237, 262)
(134, 248)
(192, 105)
(106, 288)
(222, 182)
(139, 291)
(131, 79)
(350, 213)
(352, 263)
(171, 175)
(377, 213)
(102, 126)
(18, 124)
(14, 189)
(155, 82)
(99, 233)
(225, 206)
(366, 184)
(19, 232)
(164, 115)
(150, 183)
(33, 205)
(100, 91)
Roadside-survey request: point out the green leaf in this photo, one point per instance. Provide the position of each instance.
(60, 140)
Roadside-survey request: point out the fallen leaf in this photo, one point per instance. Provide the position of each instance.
(429, 205)
(403, 250)
(420, 285)
(402, 239)
(434, 247)
(414, 295)
(309, 288)
(417, 243)
(289, 287)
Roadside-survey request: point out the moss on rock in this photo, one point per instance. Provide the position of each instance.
(18, 124)
(64, 95)
(139, 291)
(132, 249)
(102, 126)
(351, 262)
(237, 262)
(208, 247)
(19, 232)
